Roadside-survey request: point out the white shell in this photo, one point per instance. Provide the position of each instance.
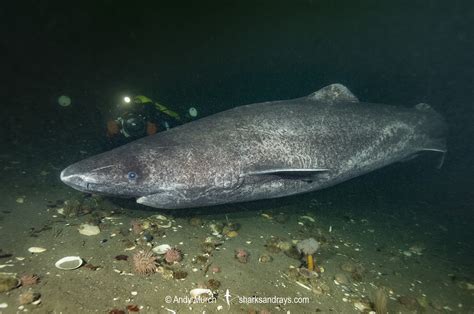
(36, 249)
(161, 249)
(69, 263)
(89, 230)
(200, 291)
(162, 221)
(308, 218)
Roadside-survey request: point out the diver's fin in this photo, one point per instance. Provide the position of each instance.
(334, 93)
(300, 174)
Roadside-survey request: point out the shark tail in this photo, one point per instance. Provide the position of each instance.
(437, 129)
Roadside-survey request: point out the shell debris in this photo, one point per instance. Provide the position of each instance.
(308, 218)
(69, 263)
(161, 249)
(89, 230)
(195, 293)
(266, 216)
(36, 249)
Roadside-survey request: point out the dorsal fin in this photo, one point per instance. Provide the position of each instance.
(332, 94)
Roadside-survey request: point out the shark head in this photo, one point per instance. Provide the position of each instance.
(112, 173)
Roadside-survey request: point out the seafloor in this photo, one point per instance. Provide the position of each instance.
(385, 237)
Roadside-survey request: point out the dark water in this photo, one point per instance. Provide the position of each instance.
(218, 55)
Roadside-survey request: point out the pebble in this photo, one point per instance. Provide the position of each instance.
(3, 305)
(134, 293)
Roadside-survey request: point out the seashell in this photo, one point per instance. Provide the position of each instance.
(165, 225)
(308, 218)
(160, 221)
(36, 249)
(160, 217)
(197, 292)
(36, 302)
(69, 263)
(362, 306)
(266, 216)
(89, 230)
(161, 249)
(216, 228)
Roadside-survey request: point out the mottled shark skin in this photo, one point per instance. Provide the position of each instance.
(263, 150)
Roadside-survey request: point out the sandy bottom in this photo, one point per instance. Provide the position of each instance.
(404, 254)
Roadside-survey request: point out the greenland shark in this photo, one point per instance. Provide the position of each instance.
(262, 150)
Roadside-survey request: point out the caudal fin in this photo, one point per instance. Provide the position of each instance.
(441, 151)
(436, 128)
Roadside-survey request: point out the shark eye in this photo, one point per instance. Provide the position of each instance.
(132, 175)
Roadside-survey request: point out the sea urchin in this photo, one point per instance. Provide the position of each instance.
(144, 262)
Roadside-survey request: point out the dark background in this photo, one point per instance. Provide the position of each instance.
(225, 53)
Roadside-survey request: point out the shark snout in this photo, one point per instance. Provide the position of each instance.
(74, 179)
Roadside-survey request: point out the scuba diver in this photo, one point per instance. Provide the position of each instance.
(140, 116)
